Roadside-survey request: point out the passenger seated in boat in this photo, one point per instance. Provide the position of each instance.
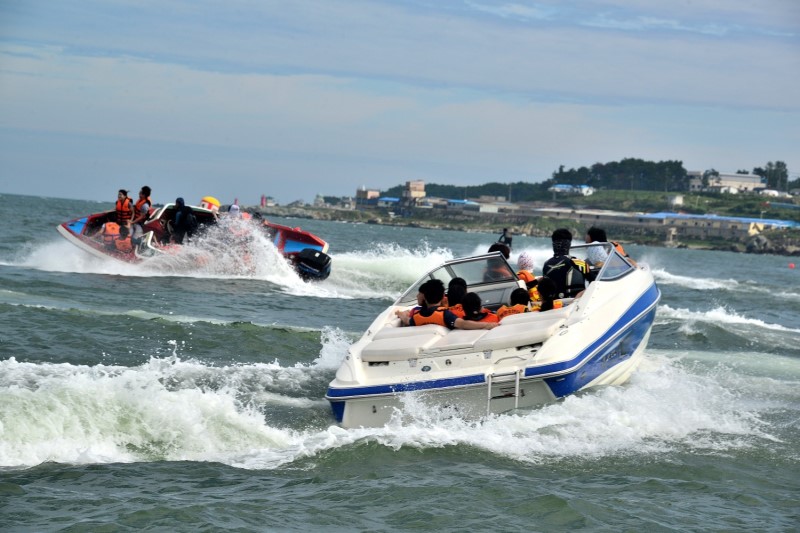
(520, 302)
(434, 313)
(568, 273)
(547, 289)
(500, 247)
(525, 273)
(114, 239)
(456, 290)
(474, 310)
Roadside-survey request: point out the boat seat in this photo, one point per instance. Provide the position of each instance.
(520, 333)
(456, 340)
(398, 348)
(539, 316)
(394, 332)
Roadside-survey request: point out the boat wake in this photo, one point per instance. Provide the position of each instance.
(261, 416)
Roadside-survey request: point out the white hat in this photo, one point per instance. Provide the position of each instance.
(525, 261)
(234, 209)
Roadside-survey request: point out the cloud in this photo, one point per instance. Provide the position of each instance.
(310, 97)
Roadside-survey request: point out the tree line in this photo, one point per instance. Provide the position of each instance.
(627, 174)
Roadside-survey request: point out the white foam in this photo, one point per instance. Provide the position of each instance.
(700, 284)
(719, 315)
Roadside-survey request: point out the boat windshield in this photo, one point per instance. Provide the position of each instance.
(479, 272)
(605, 259)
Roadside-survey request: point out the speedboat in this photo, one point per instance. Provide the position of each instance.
(529, 359)
(305, 251)
(87, 233)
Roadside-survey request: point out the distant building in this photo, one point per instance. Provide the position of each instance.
(414, 192)
(724, 182)
(367, 197)
(562, 188)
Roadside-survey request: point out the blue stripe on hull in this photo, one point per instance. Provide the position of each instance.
(626, 338)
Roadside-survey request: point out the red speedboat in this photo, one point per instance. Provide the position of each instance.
(306, 252)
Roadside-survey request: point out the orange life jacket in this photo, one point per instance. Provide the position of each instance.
(124, 245)
(557, 304)
(526, 276)
(110, 233)
(137, 209)
(437, 317)
(511, 310)
(457, 310)
(124, 212)
(620, 249)
(488, 316)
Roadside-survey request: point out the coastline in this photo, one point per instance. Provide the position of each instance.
(774, 242)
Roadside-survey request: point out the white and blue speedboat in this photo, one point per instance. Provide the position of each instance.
(529, 359)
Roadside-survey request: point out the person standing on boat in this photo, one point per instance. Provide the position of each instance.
(141, 210)
(568, 273)
(124, 210)
(434, 313)
(185, 223)
(505, 238)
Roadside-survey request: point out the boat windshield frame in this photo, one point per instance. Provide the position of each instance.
(481, 272)
(614, 267)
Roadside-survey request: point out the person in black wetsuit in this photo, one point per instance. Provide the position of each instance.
(184, 224)
(568, 273)
(505, 238)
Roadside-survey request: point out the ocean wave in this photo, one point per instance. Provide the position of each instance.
(700, 284)
(720, 316)
(246, 415)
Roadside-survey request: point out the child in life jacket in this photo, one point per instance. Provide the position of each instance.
(549, 293)
(520, 302)
(113, 239)
(474, 310)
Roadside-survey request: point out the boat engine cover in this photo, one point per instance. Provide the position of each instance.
(313, 264)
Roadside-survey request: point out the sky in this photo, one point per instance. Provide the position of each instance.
(240, 98)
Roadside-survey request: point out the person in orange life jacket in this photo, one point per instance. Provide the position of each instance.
(474, 310)
(525, 273)
(597, 255)
(433, 313)
(141, 210)
(124, 211)
(547, 288)
(496, 268)
(113, 239)
(456, 290)
(568, 273)
(519, 302)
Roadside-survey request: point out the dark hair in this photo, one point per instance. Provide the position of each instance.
(597, 234)
(124, 192)
(500, 247)
(472, 305)
(548, 291)
(433, 290)
(520, 297)
(562, 234)
(455, 294)
(146, 190)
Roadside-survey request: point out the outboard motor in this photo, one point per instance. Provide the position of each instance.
(312, 264)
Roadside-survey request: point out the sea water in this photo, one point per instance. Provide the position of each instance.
(186, 396)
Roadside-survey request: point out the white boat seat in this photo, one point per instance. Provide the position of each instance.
(398, 348)
(520, 333)
(539, 316)
(457, 339)
(393, 332)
